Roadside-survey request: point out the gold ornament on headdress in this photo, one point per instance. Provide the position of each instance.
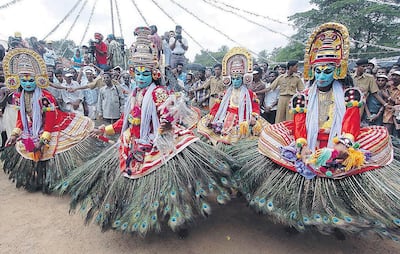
(21, 62)
(328, 44)
(144, 52)
(237, 61)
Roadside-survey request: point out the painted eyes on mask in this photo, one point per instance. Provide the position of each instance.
(326, 71)
(28, 80)
(236, 77)
(145, 73)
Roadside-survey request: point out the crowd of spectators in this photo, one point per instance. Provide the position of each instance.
(96, 80)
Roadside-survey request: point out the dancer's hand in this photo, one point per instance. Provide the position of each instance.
(305, 153)
(98, 131)
(38, 146)
(253, 121)
(165, 126)
(11, 141)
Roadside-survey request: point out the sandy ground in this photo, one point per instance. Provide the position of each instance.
(38, 223)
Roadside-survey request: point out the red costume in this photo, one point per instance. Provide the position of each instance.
(63, 130)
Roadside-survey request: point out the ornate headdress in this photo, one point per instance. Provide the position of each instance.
(328, 44)
(24, 61)
(237, 61)
(144, 52)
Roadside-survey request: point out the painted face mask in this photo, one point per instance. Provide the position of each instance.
(324, 75)
(143, 77)
(28, 83)
(237, 81)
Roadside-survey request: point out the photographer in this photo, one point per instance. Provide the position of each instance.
(100, 51)
(178, 46)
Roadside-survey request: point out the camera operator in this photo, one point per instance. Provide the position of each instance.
(17, 41)
(178, 46)
(100, 51)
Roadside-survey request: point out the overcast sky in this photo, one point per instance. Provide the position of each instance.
(38, 17)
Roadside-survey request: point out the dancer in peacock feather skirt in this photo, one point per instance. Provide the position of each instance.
(234, 119)
(49, 143)
(322, 170)
(159, 172)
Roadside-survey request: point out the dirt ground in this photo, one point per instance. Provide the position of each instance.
(38, 223)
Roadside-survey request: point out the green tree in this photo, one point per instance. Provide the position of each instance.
(204, 57)
(263, 56)
(293, 51)
(366, 21)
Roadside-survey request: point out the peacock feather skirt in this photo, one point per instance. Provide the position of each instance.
(364, 203)
(174, 194)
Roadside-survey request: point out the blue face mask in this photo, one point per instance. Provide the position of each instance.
(237, 81)
(28, 85)
(324, 75)
(143, 77)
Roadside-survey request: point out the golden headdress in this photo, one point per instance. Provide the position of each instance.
(144, 52)
(23, 61)
(237, 61)
(328, 44)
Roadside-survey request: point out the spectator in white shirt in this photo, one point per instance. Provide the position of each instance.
(179, 46)
(72, 100)
(50, 55)
(271, 99)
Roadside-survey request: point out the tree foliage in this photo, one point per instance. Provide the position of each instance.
(366, 21)
(204, 59)
(293, 51)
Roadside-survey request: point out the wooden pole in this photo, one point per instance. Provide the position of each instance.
(112, 16)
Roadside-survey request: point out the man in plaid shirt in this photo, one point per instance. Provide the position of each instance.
(201, 97)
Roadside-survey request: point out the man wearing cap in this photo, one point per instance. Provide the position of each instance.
(258, 86)
(50, 55)
(17, 41)
(366, 82)
(101, 51)
(72, 100)
(391, 116)
(288, 83)
(114, 52)
(90, 95)
(179, 46)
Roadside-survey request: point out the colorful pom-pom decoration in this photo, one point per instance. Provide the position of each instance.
(335, 140)
(300, 142)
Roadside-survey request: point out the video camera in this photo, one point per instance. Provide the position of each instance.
(14, 42)
(92, 47)
(178, 37)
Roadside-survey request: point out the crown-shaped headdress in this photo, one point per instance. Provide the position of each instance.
(23, 61)
(328, 44)
(144, 52)
(237, 61)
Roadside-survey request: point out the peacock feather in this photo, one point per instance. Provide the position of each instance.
(362, 203)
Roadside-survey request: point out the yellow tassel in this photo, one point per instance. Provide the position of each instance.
(355, 159)
(257, 128)
(244, 128)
